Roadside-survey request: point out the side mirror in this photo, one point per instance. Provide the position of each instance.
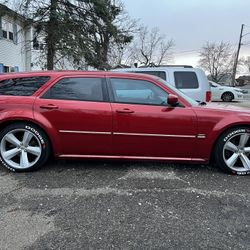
(172, 100)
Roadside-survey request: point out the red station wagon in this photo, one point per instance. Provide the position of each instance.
(76, 114)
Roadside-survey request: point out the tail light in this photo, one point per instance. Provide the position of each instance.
(208, 96)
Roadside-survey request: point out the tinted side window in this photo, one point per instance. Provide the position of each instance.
(186, 80)
(160, 74)
(82, 89)
(25, 86)
(137, 92)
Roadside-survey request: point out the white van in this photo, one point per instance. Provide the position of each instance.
(192, 81)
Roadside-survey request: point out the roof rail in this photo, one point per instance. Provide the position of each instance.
(168, 65)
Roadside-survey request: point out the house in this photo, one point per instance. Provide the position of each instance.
(243, 80)
(15, 41)
(22, 48)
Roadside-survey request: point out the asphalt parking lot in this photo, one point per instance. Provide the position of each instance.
(124, 205)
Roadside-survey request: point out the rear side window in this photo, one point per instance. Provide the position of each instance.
(25, 86)
(186, 80)
(160, 74)
(81, 89)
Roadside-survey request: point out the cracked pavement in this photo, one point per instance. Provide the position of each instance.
(124, 205)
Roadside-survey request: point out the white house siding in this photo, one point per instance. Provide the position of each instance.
(20, 55)
(16, 56)
(38, 61)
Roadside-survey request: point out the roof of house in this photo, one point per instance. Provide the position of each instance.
(4, 10)
(245, 77)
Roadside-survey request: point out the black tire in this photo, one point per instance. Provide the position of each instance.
(230, 155)
(227, 97)
(29, 144)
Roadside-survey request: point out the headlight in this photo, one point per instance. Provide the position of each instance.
(239, 91)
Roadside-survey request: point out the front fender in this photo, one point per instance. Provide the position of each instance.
(213, 127)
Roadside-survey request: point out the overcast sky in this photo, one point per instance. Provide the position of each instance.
(191, 23)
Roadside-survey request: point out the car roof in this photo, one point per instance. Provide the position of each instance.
(58, 73)
(172, 68)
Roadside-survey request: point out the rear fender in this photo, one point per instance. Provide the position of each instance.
(27, 116)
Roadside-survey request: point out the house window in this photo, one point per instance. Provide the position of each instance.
(6, 69)
(5, 29)
(9, 30)
(37, 43)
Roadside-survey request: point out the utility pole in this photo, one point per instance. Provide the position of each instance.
(237, 57)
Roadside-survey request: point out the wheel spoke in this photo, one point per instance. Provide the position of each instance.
(34, 150)
(26, 138)
(7, 155)
(12, 139)
(231, 147)
(245, 161)
(243, 140)
(247, 150)
(24, 162)
(232, 160)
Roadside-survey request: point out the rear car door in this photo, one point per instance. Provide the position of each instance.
(77, 108)
(144, 126)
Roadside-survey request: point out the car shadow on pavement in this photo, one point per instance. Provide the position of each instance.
(123, 166)
(95, 175)
(115, 165)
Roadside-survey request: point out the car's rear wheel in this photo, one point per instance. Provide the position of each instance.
(232, 151)
(23, 147)
(227, 97)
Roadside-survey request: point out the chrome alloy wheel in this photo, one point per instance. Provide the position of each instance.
(236, 152)
(20, 148)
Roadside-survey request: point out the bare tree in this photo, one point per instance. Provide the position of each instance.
(150, 48)
(13, 4)
(216, 59)
(121, 53)
(245, 62)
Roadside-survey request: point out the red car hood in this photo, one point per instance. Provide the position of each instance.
(245, 108)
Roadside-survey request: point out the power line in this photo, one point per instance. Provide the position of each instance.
(187, 51)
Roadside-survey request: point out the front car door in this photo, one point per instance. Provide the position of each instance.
(144, 126)
(79, 110)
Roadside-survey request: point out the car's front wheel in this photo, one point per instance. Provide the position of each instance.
(23, 147)
(232, 151)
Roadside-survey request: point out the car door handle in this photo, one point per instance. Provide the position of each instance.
(128, 111)
(48, 106)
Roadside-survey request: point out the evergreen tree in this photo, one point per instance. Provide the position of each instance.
(78, 30)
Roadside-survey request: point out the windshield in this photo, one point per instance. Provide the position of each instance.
(214, 84)
(179, 92)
